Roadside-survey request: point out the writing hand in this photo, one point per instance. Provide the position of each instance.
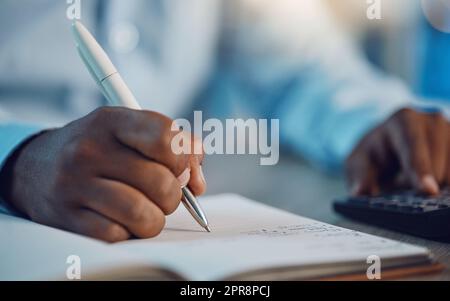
(109, 175)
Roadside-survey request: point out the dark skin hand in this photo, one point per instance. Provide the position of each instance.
(110, 175)
(411, 150)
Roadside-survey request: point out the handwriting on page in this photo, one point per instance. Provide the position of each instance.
(317, 229)
(322, 237)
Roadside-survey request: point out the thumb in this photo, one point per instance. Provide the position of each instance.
(193, 176)
(197, 181)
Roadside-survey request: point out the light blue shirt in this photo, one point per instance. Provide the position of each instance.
(434, 81)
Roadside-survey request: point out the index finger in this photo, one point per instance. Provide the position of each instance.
(148, 133)
(410, 143)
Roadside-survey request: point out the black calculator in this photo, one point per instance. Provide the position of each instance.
(406, 212)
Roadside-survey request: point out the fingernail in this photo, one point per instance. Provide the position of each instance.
(202, 175)
(185, 177)
(430, 184)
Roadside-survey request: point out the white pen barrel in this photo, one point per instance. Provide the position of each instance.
(118, 92)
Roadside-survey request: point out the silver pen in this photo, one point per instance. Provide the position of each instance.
(117, 93)
(192, 205)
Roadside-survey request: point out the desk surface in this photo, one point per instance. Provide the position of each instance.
(294, 186)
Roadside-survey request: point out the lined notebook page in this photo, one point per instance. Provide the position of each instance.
(250, 236)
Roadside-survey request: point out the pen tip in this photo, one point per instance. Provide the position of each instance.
(208, 229)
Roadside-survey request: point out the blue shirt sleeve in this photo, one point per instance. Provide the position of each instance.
(325, 119)
(11, 136)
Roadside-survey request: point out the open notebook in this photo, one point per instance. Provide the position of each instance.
(249, 241)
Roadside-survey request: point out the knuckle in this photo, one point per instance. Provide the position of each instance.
(102, 114)
(143, 122)
(181, 164)
(161, 138)
(165, 140)
(163, 127)
(169, 195)
(156, 225)
(404, 116)
(157, 130)
(79, 150)
(134, 211)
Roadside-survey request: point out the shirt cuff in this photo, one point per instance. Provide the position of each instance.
(12, 135)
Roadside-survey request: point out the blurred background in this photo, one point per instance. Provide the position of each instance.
(398, 43)
(403, 44)
(390, 43)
